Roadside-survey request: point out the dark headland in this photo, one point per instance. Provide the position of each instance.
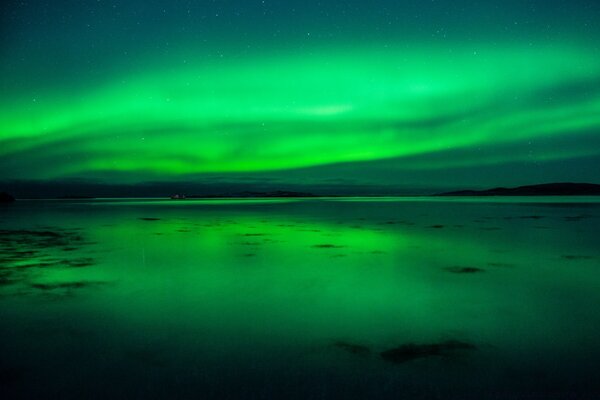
(546, 189)
(6, 198)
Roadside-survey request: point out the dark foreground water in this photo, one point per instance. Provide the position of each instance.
(309, 299)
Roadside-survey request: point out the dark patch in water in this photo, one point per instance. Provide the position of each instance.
(149, 219)
(463, 270)
(411, 351)
(22, 242)
(249, 255)
(30, 250)
(80, 262)
(33, 241)
(254, 234)
(5, 280)
(46, 263)
(250, 243)
(26, 232)
(436, 226)
(66, 285)
(401, 222)
(352, 348)
(576, 218)
(328, 246)
(577, 257)
(532, 217)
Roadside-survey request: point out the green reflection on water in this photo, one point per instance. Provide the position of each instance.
(269, 285)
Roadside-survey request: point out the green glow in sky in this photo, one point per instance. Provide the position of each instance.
(304, 110)
(385, 93)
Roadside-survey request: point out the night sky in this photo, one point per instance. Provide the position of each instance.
(329, 96)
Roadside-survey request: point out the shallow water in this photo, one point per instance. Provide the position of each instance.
(301, 298)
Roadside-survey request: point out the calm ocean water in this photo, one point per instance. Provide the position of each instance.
(301, 298)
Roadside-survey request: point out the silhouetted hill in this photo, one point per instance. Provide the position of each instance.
(546, 189)
(6, 198)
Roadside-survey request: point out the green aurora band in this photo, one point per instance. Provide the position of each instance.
(308, 109)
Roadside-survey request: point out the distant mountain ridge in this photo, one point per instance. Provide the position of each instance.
(545, 189)
(6, 197)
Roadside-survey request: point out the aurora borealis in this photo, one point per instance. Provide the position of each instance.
(390, 94)
(300, 199)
